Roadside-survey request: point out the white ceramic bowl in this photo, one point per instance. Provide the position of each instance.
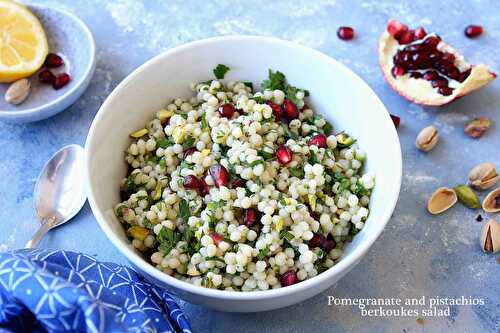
(336, 92)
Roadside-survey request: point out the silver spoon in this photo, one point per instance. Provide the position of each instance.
(60, 190)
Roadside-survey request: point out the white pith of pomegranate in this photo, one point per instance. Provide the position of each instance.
(424, 69)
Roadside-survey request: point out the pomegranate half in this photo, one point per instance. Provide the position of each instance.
(424, 69)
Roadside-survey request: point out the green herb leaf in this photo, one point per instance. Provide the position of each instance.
(184, 210)
(259, 99)
(163, 163)
(286, 235)
(297, 172)
(204, 124)
(263, 253)
(214, 258)
(164, 143)
(168, 239)
(248, 84)
(188, 142)
(313, 159)
(147, 224)
(265, 155)
(220, 71)
(276, 80)
(360, 190)
(328, 128)
(256, 162)
(291, 93)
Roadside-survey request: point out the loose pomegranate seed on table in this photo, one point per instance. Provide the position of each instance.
(53, 60)
(473, 31)
(61, 80)
(220, 175)
(396, 120)
(345, 33)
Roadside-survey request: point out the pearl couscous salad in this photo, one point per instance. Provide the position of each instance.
(240, 190)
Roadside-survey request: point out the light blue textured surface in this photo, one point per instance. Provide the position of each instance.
(417, 254)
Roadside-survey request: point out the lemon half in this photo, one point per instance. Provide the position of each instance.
(23, 44)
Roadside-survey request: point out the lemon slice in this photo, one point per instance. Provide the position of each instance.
(23, 44)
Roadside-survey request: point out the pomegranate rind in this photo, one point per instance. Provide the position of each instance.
(420, 91)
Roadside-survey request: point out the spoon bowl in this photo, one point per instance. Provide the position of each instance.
(60, 190)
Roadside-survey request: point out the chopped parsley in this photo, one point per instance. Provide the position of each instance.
(263, 253)
(204, 124)
(184, 210)
(276, 80)
(164, 143)
(328, 128)
(220, 71)
(168, 239)
(265, 155)
(188, 142)
(248, 84)
(286, 235)
(313, 159)
(297, 172)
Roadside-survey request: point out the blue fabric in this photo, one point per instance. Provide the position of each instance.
(62, 291)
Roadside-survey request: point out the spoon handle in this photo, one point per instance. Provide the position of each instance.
(37, 237)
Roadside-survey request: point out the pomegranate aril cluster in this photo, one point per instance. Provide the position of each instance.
(424, 60)
(46, 76)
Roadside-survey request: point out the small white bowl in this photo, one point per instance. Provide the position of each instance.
(336, 92)
(68, 36)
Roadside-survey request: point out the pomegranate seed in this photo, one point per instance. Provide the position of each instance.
(345, 33)
(416, 75)
(448, 57)
(398, 71)
(46, 76)
(420, 33)
(464, 75)
(328, 244)
(227, 110)
(284, 155)
(219, 175)
(439, 82)
(61, 80)
(431, 42)
(251, 216)
(316, 240)
(204, 189)
(238, 183)
(473, 31)
(191, 182)
(407, 37)
(396, 28)
(396, 120)
(53, 60)
(318, 140)
(288, 278)
(291, 110)
(216, 238)
(430, 75)
(189, 151)
(277, 110)
(445, 91)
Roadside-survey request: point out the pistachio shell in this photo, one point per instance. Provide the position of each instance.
(442, 199)
(483, 176)
(467, 196)
(18, 91)
(477, 127)
(490, 237)
(427, 138)
(491, 203)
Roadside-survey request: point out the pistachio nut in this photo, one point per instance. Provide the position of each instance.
(491, 203)
(467, 196)
(18, 91)
(427, 138)
(442, 199)
(138, 232)
(477, 127)
(490, 237)
(483, 176)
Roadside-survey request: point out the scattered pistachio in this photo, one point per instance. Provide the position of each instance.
(467, 196)
(491, 203)
(138, 232)
(483, 176)
(164, 115)
(18, 91)
(139, 133)
(442, 199)
(490, 237)
(427, 138)
(477, 127)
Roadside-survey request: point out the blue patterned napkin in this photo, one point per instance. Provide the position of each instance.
(62, 291)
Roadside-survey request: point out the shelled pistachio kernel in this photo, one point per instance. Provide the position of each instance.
(490, 237)
(427, 138)
(441, 200)
(483, 176)
(467, 196)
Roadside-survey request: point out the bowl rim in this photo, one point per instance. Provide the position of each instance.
(86, 73)
(343, 265)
